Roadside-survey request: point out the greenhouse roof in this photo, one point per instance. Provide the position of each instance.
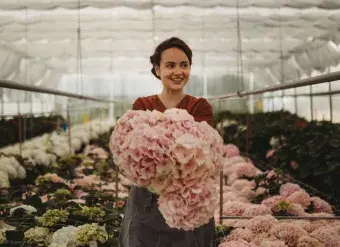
(39, 38)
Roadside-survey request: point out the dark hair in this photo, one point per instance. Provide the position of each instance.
(155, 59)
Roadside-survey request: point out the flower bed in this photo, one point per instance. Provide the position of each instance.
(40, 153)
(261, 196)
(73, 203)
(306, 150)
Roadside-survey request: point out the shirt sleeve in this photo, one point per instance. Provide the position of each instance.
(204, 112)
(138, 105)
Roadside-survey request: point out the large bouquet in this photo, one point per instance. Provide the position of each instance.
(173, 156)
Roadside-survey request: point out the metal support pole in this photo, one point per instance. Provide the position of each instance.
(330, 102)
(221, 197)
(69, 128)
(19, 128)
(2, 101)
(42, 108)
(330, 98)
(31, 117)
(311, 103)
(25, 128)
(334, 76)
(38, 89)
(117, 180)
(295, 101)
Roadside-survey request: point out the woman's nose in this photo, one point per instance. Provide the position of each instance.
(178, 70)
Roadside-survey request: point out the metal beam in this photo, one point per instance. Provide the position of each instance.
(295, 84)
(36, 89)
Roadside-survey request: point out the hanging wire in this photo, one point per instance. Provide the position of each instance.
(111, 59)
(282, 68)
(26, 45)
(153, 22)
(79, 54)
(239, 48)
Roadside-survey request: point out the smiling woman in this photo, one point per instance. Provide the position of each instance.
(143, 224)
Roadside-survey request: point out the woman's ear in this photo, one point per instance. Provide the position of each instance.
(157, 70)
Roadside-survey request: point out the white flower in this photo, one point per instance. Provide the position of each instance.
(28, 209)
(4, 180)
(76, 143)
(38, 235)
(64, 237)
(11, 166)
(57, 245)
(2, 235)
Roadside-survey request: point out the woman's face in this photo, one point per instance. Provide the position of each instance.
(174, 69)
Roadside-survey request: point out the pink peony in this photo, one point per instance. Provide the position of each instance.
(273, 243)
(270, 202)
(305, 224)
(247, 193)
(234, 208)
(230, 150)
(326, 236)
(240, 184)
(189, 208)
(87, 182)
(307, 241)
(54, 178)
(246, 170)
(321, 206)
(287, 232)
(259, 238)
(171, 155)
(238, 243)
(97, 152)
(300, 197)
(232, 177)
(240, 233)
(296, 210)
(257, 210)
(150, 147)
(261, 224)
(285, 205)
(289, 188)
(230, 164)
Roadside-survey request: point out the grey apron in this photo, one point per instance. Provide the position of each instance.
(144, 226)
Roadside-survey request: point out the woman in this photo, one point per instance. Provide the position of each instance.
(143, 224)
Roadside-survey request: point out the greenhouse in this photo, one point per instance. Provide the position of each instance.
(157, 123)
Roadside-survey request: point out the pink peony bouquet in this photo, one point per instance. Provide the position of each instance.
(188, 208)
(171, 155)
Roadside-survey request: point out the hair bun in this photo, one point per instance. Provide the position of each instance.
(152, 60)
(153, 71)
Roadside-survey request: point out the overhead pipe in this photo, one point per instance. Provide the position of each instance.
(37, 89)
(334, 76)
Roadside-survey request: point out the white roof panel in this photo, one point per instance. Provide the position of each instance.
(121, 35)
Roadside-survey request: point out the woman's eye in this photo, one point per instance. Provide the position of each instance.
(170, 66)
